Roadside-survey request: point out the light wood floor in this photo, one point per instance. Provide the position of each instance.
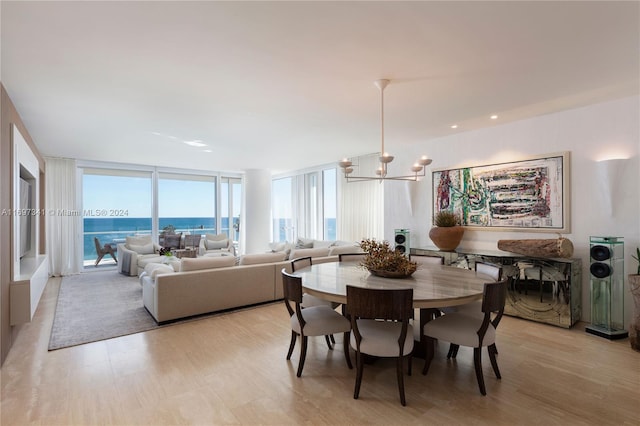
(231, 369)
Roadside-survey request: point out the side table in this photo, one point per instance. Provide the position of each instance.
(186, 252)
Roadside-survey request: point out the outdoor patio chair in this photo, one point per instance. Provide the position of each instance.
(104, 250)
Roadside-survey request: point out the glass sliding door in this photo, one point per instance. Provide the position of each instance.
(116, 203)
(230, 205)
(186, 204)
(329, 201)
(311, 223)
(305, 206)
(283, 210)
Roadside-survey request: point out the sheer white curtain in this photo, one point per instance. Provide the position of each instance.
(63, 217)
(361, 213)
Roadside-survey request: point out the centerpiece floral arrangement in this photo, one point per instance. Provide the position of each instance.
(165, 252)
(382, 260)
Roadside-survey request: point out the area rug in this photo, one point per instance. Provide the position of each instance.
(102, 305)
(96, 306)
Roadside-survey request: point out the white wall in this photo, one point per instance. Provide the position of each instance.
(597, 132)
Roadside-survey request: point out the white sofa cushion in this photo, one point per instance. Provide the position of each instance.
(142, 249)
(336, 250)
(199, 263)
(322, 243)
(142, 244)
(309, 252)
(153, 269)
(345, 243)
(255, 259)
(139, 240)
(277, 246)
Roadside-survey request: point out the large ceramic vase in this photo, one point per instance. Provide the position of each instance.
(446, 238)
(634, 327)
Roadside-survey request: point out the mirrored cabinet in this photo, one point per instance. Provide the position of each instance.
(542, 290)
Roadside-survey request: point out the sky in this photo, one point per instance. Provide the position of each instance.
(128, 196)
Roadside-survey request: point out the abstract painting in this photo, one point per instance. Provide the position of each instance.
(530, 194)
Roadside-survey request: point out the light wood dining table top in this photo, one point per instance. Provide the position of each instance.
(434, 286)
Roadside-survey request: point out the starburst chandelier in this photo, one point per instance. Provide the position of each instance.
(418, 169)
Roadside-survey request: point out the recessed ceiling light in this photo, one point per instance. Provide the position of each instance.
(197, 143)
(493, 117)
(207, 150)
(454, 126)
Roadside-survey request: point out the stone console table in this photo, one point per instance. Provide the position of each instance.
(543, 290)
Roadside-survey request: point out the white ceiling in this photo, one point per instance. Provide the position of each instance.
(289, 85)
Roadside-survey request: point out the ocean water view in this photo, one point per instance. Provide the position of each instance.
(114, 230)
(110, 230)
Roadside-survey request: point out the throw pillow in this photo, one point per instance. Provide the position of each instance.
(304, 243)
(276, 247)
(216, 244)
(145, 249)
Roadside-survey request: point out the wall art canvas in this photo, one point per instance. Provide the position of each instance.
(529, 195)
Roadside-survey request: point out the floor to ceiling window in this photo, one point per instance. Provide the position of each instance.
(283, 225)
(230, 203)
(116, 203)
(119, 202)
(329, 203)
(304, 205)
(186, 203)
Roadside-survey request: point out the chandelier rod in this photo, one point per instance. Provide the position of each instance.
(418, 169)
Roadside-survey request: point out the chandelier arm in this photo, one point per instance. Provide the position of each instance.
(418, 169)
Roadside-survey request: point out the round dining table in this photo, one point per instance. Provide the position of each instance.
(434, 286)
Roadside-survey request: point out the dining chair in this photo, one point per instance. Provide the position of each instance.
(351, 257)
(475, 308)
(192, 241)
(380, 327)
(471, 331)
(307, 299)
(104, 250)
(311, 321)
(421, 316)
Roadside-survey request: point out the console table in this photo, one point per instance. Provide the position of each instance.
(542, 290)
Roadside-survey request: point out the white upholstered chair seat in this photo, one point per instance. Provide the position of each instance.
(320, 321)
(459, 328)
(380, 338)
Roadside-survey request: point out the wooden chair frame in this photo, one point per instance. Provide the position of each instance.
(489, 269)
(375, 304)
(293, 295)
(493, 301)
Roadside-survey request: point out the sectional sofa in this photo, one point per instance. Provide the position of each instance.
(209, 284)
